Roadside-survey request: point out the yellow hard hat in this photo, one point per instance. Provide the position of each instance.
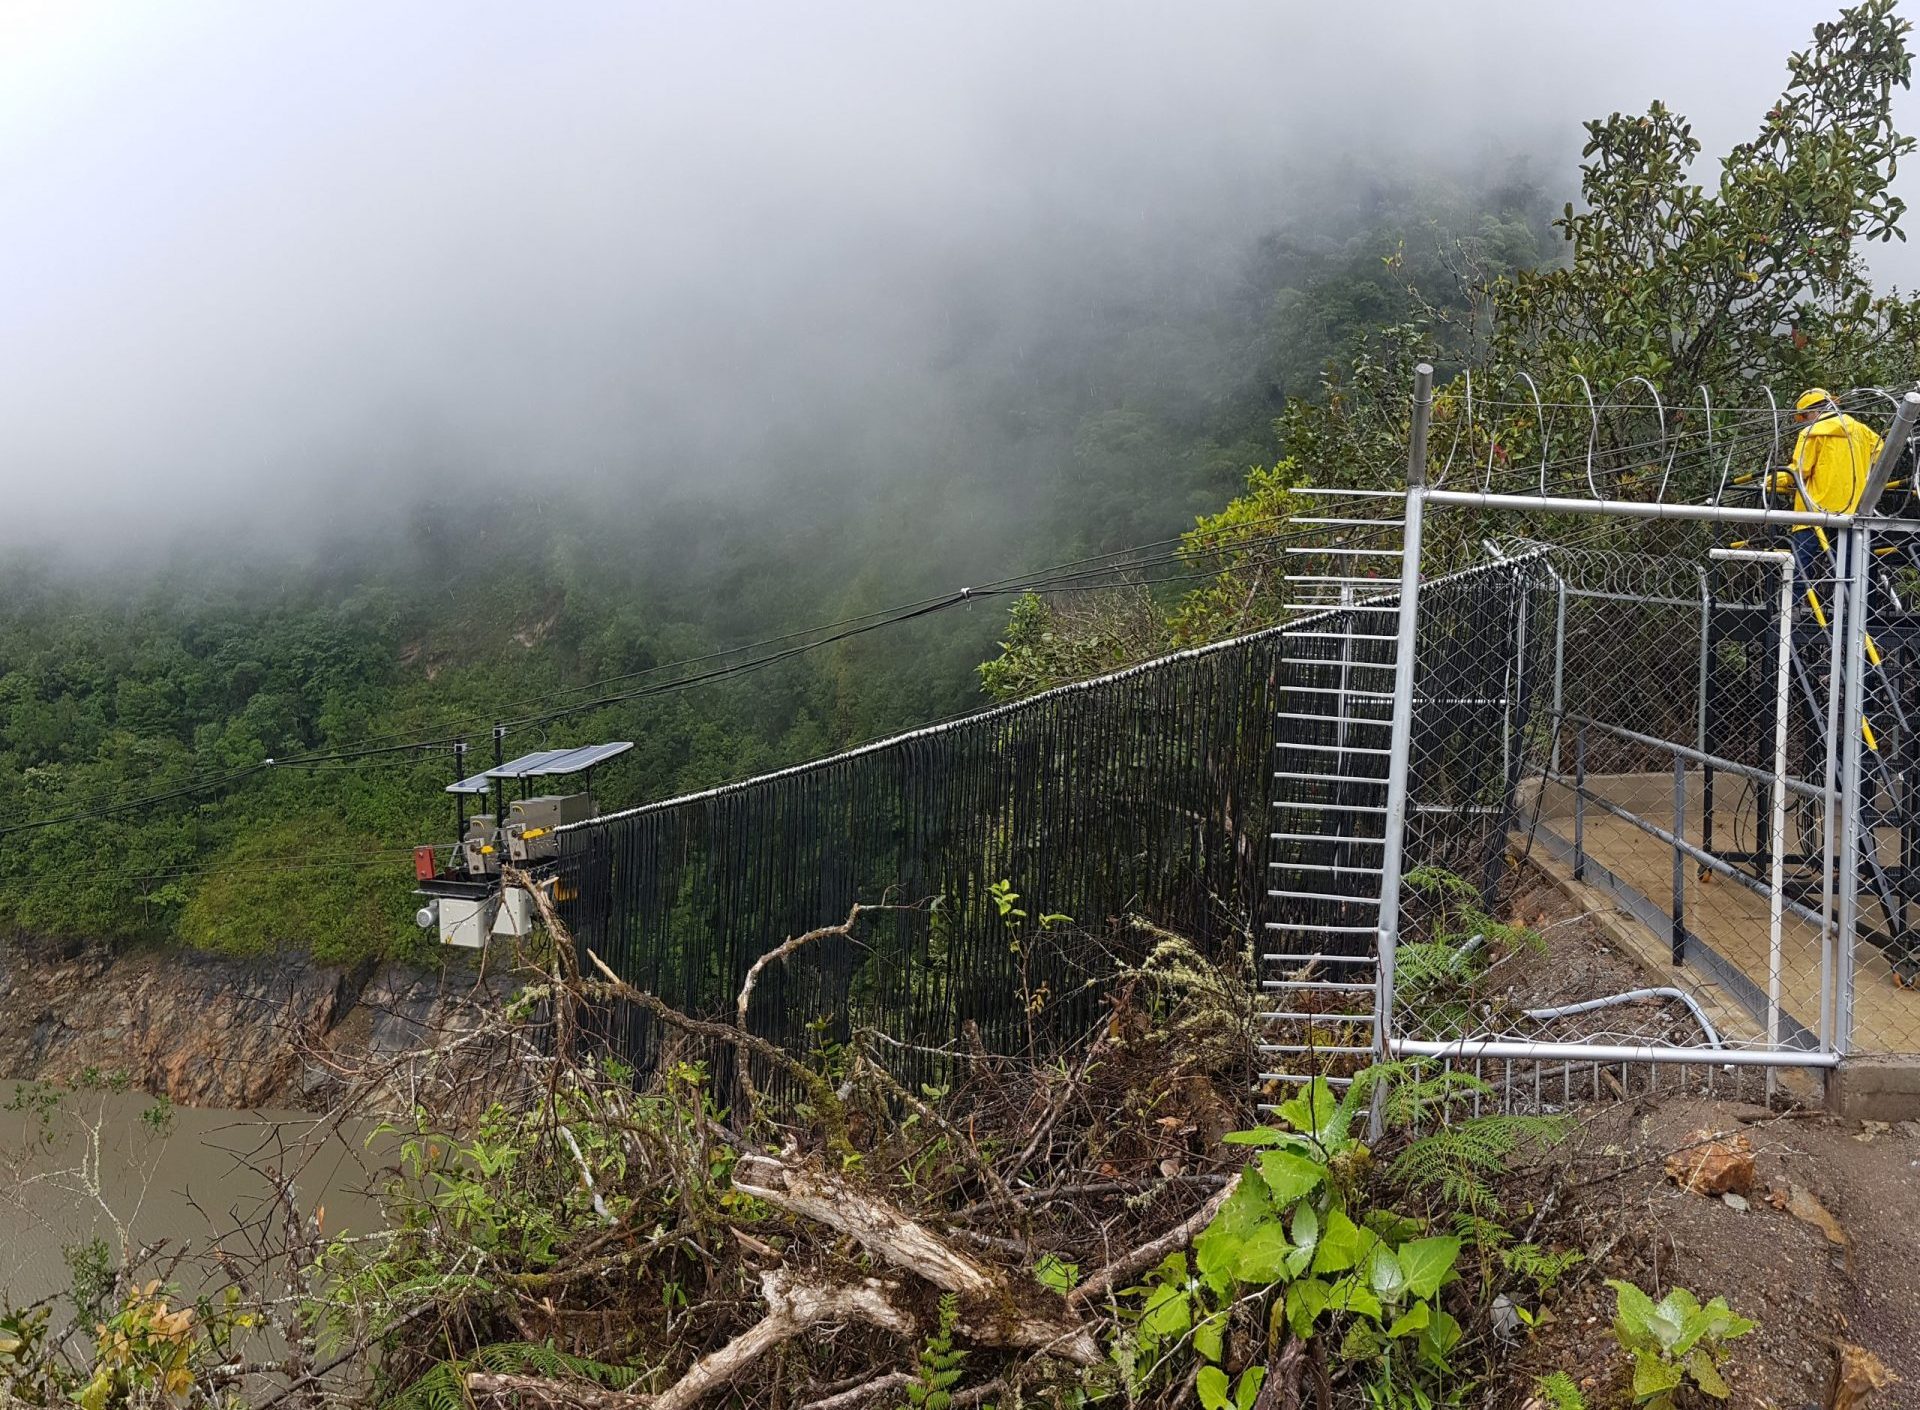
(1812, 397)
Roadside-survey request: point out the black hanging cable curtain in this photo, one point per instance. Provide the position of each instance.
(1143, 794)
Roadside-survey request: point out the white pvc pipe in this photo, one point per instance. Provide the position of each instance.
(1634, 996)
(1473, 1049)
(1783, 658)
(1636, 509)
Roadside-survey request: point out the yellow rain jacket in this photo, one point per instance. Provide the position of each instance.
(1833, 456)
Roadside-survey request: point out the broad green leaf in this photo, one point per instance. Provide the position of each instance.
(1361, 1343)
(1427, 1263)
(1670, 1317)
(1350, 1295)
(1306, 1300)
(1169, 1312)
(1306, 1226)
(1056, 1273)
(1311, 1110)
(1414, 1319)
(1727, 1324)
(1218, 1246)
(1384, 1274)
(1248, 1390)
(1264, 1256)
(1633, 1314)
(1394, 1228)
(1707, 1376)
(1440, 1336)
(1289, 1176)
(1214, 1388)
(1341, 1244)
(1653, 1375)
(1257, 1136)
(1208, 1335)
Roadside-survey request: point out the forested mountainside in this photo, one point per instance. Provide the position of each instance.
(138, 706)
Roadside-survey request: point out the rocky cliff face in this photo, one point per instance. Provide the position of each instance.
(207, 1031)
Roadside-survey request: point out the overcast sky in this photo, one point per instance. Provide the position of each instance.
(259, 259)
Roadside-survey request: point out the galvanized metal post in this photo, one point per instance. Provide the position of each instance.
(1830, 811)
(499, 786)
(1400, 749)
(1580, 803)
(1559, 665)
(1679, 938)
(1777, 853)
(1700, 711)
(1904, 418)
(1777, 875)
(1856, 547)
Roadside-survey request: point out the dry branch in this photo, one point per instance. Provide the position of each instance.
(1148, 1254)
(990, 1311)
(793, 1307)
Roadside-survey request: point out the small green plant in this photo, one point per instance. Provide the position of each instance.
(937, 1366)
(1294, 1230)
(1560, 1393)
(1055, 1272)
(1456, 1162)
(1673, 1342)
(1544, 1267)
(91, 1273)
(158, 1117)
(30, 1370)
(1451, 941)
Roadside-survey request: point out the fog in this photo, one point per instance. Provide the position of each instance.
(267, 270)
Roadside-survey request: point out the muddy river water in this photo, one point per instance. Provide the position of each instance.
(113, 1165)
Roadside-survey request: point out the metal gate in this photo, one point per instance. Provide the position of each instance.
(1641, 685)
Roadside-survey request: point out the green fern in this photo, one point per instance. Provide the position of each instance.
(445, 1386)
(937, 1366)
(1456, 1163)
(1421, 1091)
(1544, 1266)
(1560, 1392)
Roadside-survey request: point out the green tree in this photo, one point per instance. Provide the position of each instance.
(1756, 277)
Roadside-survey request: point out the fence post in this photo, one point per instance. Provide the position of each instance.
(1856, 545)
(1679, 860)
(1777, 872)
(1701, 720)
(1580, 802)
(1400, 749)
(1559, 665)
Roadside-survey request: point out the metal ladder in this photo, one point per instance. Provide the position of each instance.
(1320, 970)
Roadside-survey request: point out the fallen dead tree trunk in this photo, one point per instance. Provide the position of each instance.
(793, 1307)
(990, 1307)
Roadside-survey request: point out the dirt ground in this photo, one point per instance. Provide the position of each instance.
(1813, 1285)
(1809, 1294)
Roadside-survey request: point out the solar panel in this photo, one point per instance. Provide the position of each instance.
(544, 763)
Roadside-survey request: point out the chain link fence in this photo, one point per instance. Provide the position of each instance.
(1659, 741)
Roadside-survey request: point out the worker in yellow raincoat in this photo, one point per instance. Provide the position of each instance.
(1832, 456)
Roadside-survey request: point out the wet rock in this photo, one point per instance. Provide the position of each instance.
(211, 1031)
(1805, 1206)
(1713, 1163)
